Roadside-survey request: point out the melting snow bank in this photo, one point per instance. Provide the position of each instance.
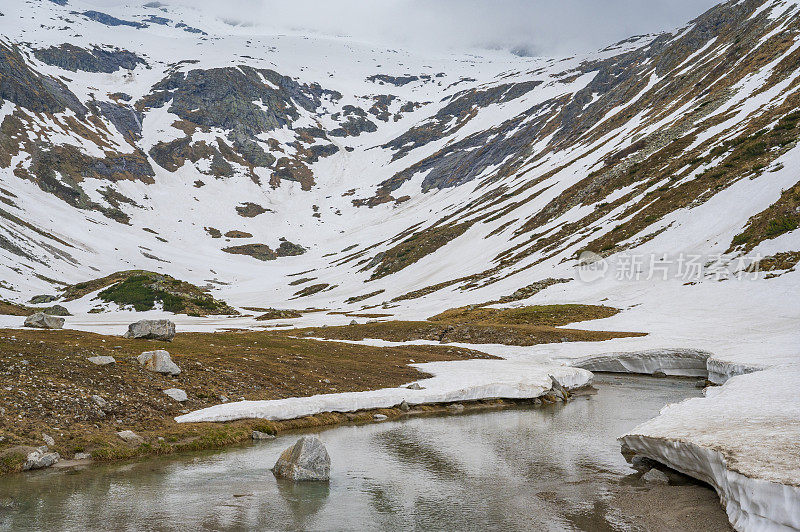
(679, 362)
(719, 371)
(742, 438)
(467, 380)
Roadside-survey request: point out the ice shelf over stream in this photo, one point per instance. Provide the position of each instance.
(467, 380)
(742, 438)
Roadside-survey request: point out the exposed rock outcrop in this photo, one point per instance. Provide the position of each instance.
(152, 330)
(74, 58)
(40, 320)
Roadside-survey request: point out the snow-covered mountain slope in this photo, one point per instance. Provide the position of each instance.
(155, 137)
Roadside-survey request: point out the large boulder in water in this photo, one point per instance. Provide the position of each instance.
(159, 361)
(305, 460)
(152, 330)
(40, 320)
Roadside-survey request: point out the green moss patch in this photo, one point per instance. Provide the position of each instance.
(143, 289)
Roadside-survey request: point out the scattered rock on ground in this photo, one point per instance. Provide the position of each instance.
(159, 361)
(48, 440)
(655, 476)
(700, 384)
(414, 386)
(81, 456)
(258, 435)
(353, 322)
(40, 320)
(99, 401)
(455, 407)
(42, 298)
(40, 458)
(404, 406)
(152, 330)
(101, 360)
(130, 436)
(56, 310)
(380, 417)
(658, 373)
(307, 459)
(177, 394)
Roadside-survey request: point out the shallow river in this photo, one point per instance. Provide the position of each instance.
(551, 468)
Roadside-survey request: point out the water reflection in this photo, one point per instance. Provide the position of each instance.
(545, 469)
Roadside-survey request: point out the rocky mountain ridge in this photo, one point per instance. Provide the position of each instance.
(154, 137)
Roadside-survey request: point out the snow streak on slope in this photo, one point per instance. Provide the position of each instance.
(524, 162)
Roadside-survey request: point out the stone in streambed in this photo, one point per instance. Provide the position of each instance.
(258, 435)
(656, 477)
(306, 460)
(642, 463)
(558, 391)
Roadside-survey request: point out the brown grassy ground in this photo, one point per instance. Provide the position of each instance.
(46, 385)
(517, 326)
(14, 309)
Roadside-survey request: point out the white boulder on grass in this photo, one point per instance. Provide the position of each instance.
(152, 330)
(40, 458)
(159, 361)
(177, 394)
(101, 360)
(130, 437)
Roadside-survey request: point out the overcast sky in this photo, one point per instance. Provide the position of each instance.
(544, 27)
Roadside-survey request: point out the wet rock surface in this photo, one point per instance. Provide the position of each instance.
(306, 460)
